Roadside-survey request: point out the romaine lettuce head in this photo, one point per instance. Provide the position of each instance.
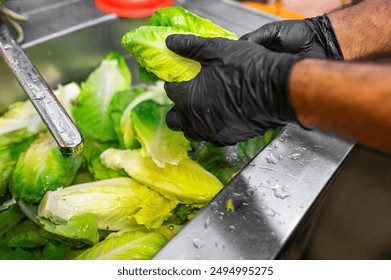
(157, 140)
(187, 182)
(127, 246)
(91, 109)
(184, 20)
(148, 45)
(42, 168)
(113, 201)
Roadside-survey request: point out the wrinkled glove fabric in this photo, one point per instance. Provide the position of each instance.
(240, 93)
(312, 37)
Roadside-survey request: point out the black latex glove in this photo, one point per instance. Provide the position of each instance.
(241, 91)
(312, 37)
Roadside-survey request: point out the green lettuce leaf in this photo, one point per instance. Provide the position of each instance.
(148, 45)
(78, 229)
(59, 251)
(127, 246)
(187, 182)
(8, 253)
(10, 218)
(123, 124)
(92, 150)
(27, 235)
(157, 140)
(9, 155)
(90, 111)
(184, 20)
(122, 106)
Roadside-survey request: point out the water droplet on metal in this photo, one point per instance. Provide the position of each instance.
(198, 243)
(280, 191)
(283, 137)
(268, 168)
(294, 156)
(232, 228)
(271, 159)
(270, 212)
(206, 223)
(213, 206)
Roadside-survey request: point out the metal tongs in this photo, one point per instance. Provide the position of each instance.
(52, 113)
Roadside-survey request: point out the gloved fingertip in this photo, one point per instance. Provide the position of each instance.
(179, 43)
(173, 120)
(171, 40)
(245, 37)
(176, 91)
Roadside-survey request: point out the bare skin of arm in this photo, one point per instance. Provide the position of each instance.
(364, 29)
(351, 99)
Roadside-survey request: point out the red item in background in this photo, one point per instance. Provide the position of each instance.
(132, 8)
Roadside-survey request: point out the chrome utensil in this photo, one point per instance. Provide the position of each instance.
(60, 125)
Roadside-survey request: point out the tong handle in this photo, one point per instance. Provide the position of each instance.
(52, 113)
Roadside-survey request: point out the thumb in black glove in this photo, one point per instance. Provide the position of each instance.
(312, 37)
(240, 92)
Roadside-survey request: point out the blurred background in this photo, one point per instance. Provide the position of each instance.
(298, 8)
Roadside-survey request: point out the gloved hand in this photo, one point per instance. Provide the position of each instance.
(240, 92)
(312, 37)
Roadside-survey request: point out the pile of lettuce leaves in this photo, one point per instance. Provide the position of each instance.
(136, 183)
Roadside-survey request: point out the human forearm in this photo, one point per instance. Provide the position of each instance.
(363, 30)
(351, 99)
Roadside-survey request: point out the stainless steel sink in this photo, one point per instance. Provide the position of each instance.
(273, 202)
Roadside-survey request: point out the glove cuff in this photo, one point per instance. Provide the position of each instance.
(289, 112)
(327, 37)
(280, 71)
